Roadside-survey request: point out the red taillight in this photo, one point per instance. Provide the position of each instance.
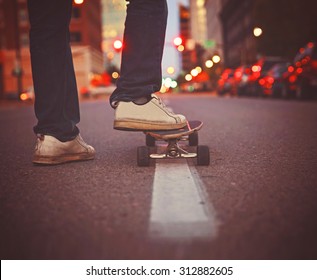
(270, 80)
(299, 70)
(220, 82)
(310, 44)
(238, 74)
(290, 69)
(292, 79)
(262, 82)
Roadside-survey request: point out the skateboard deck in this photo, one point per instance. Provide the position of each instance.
(191, 127)
(173, 149)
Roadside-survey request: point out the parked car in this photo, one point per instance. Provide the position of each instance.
(300, 81)
(273, 82)
(241, 77)
(258, 71)
(225, 82)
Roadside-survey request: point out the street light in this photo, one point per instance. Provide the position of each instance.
(209, 63)
(257, 31)
(117, 45)
(216, 58)
(194, 72)
(178, 41)
(199, 69)
(188, 77)
(170, 70)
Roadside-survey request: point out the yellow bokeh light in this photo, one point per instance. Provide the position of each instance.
(257, 31)
(78, 2)
(209, 63)
(188, 77)
(194, 72)
(170, 70)
(181, 48)
(216, 58)
(23, 96)
(115, 75)
(198, 68)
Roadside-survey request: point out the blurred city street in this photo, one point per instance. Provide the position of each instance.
(260, 188)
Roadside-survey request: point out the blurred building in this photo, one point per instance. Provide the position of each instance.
(113, 16)
(15, 65)
(198, 30)
(214, 27)
(15, 69)
(184, 32)
(205, 30)
(86, 41)
(198, 24)
(239, 43)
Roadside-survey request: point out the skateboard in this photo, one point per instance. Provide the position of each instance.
(173, 148)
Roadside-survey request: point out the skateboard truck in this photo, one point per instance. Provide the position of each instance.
(173, 149)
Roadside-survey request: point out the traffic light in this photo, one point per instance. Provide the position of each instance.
(178, 41)
(117, 45)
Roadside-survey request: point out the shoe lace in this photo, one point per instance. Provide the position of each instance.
(163, 105)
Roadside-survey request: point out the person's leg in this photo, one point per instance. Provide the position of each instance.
(142, 52)
(137, 107)
(56, 97)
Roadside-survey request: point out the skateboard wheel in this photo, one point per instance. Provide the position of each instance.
(149, 140)
(143, 156)
(193, 139)
(203, 156)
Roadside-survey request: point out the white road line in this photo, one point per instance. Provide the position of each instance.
(180, 208)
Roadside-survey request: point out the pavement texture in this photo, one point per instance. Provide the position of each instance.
(261, 185)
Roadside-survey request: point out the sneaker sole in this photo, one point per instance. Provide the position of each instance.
(142, 126)
(50, 160)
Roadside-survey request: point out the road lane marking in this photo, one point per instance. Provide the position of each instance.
(180, 208)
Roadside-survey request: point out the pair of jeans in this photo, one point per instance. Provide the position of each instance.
(56, 97)
(143, 43)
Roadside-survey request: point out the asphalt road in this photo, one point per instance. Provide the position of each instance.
(260, 188)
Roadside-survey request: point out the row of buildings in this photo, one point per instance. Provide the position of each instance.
(208, 27)
(15, 65)
(241, 31)
(225, 28)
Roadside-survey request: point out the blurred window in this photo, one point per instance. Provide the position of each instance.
(75, 37)
(24, 39)
(1, 19)
(2, 41)
(23, 17)
(76, 12)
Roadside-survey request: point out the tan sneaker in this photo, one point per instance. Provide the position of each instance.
(153, 115)
(49, 150)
